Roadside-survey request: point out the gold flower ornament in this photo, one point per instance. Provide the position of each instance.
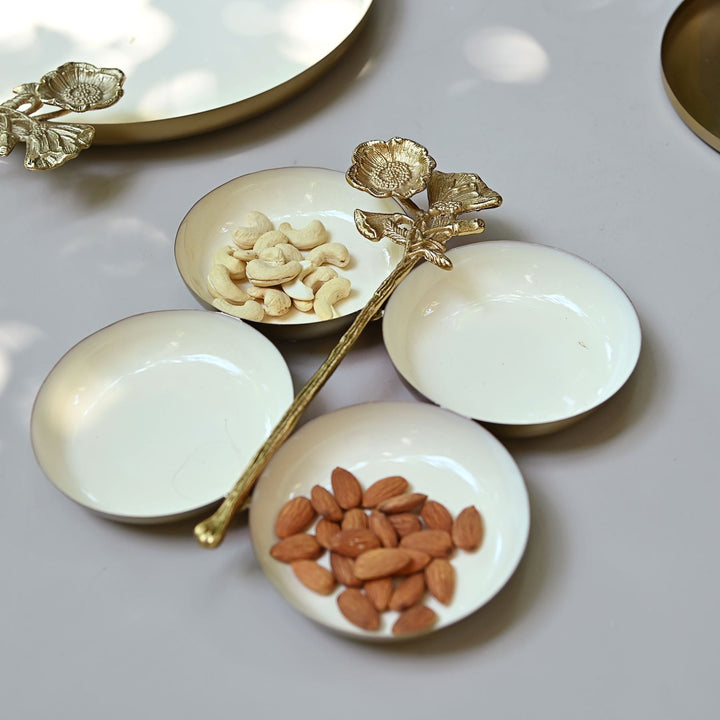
(73, 87)
(402, 168)
(399, 168)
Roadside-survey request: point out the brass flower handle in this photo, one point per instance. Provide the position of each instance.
(397, 168)
(73, 87)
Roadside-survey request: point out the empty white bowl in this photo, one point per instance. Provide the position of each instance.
(154, 417)
(295, 195)
(523, 337)
(449, 458)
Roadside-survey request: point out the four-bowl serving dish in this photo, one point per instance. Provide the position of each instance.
(153, 417)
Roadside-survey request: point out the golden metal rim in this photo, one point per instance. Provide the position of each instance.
(676, 40)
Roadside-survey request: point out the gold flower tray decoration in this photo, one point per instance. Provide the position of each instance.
(397, 168)
(73, 87)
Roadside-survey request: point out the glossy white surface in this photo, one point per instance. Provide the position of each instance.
(295, 195)
(529, 334)
(612, 612)
(179, 58)
(449, 458)
(155, 416)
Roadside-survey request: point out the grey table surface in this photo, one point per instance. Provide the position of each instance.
(557, 104)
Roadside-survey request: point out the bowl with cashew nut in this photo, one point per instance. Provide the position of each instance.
(279, 249)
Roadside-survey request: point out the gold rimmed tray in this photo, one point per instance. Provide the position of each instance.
(690, 56)
(190, 67)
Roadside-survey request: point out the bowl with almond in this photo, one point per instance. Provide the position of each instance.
(388, 521)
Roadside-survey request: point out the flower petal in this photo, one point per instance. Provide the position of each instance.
(398, 168)
(81, 87)
(375, 226)
(460, 192)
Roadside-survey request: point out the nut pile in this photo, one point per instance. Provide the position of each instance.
(269, 271)
(387, 546)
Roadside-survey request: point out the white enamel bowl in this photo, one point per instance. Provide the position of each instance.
(523, 337)
(451, 459)
(296, 195)
(154, 417)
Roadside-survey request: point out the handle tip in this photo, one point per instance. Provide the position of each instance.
(208, 536)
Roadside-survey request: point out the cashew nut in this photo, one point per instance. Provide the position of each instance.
(236, 267)
(296, 289)
(270, 239)
(290, 251)
(264, 274)
(272, 255)
(258, 224)
(303, 305)
(318, 277)
(244, 255)
(283, 267)
(328, 295)
(312, 235)
(329, 254)
(250, 310)
(220, 285)
(276, 302)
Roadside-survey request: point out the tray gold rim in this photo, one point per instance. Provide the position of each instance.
(673, 42)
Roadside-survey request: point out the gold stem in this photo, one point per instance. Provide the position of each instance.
(211, 532)
(16, 102)
(413, 210)
(52, 115)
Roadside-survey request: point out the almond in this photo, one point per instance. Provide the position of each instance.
(418, 561)
(383, 528)
(380, 562)
(436, 543)
(408, 593)
(325, 504)
(405, 523)
(414, 620)
(324, 530)
(297, 547)
(314, 576)
(294, 517)
(436, 516)
(440, 580)
(352, 543)
(354, 519)
(468, 529)
(346, 487)
(402, 503)
(358, 609)
(384, 489)
(379, 591)
(343, 569)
